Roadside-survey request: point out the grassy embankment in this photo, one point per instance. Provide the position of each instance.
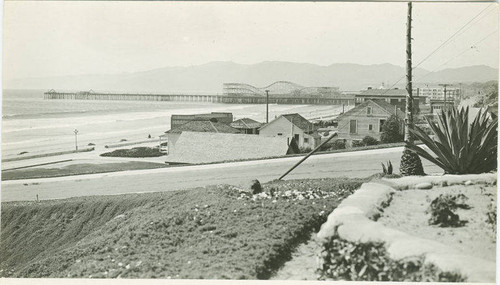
(113, 167)
(77, 169)
(212, 232)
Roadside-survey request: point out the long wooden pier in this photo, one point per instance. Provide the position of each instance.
(345, 99)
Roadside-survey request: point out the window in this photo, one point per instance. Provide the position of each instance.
(306, 140)
(296, 136)
(368, 110)
(353, 127)
(370, 127)
(382, 122)
(280, 134)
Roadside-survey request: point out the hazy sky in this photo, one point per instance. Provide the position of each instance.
(69, 38)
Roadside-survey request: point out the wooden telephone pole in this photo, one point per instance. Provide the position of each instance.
(267, 106)
(410, 161)
(409, 95)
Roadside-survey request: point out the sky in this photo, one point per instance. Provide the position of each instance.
(60, 38)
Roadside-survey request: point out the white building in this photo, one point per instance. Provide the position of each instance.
(292, 126)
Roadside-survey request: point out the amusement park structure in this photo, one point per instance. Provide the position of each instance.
(280, 89)
(280, 92)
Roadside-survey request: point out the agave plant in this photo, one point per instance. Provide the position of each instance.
(457, 146)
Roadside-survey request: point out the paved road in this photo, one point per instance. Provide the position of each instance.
(352, 164)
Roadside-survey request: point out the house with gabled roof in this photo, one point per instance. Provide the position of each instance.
(246, 126)
(198, 126)
(367, 119)
(293, 126)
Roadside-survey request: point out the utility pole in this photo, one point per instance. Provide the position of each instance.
(460, 92)
(76, 139)
(267, 106)
(410, 161)
(445, 97)
(409, 96)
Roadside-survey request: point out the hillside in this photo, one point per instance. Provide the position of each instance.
(208, 78)
(214, 232)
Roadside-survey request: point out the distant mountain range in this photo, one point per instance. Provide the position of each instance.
(208, 78)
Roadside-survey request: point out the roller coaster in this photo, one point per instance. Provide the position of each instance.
(279, 89)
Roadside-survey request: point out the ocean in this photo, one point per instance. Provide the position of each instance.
(36, 125)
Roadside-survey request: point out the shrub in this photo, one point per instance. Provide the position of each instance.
(391, 130)
(337, 144)
(459, 147)
(442, 210)
(344, 260)
(369, 141)
(492, 215)
(305, 149)
(357, 143)
(387, 170)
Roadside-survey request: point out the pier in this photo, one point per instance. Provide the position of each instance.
(227, 99)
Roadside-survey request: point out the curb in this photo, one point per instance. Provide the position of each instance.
(355, 220)
(47, 154)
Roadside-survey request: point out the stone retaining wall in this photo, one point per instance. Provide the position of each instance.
(355, 220)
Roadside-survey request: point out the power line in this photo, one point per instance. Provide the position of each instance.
(458, 55)
(452, 36)
(435, 50)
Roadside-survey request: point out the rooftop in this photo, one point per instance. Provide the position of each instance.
(246, 123)
(204, 126)
(391, 109)
(298, 121)
(383, 92)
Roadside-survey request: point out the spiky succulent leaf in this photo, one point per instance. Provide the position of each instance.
(457, 146)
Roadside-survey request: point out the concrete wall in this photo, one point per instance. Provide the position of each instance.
(172, 140)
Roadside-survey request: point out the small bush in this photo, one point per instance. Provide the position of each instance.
(357, 143)
(91, 144)
(123, 140)
(305, 149)
(344, 260)
(337, 144)
(442, 210)
(387, 170)
(492, 215)
(369, 141)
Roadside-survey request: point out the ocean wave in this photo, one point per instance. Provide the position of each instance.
(46, 114)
